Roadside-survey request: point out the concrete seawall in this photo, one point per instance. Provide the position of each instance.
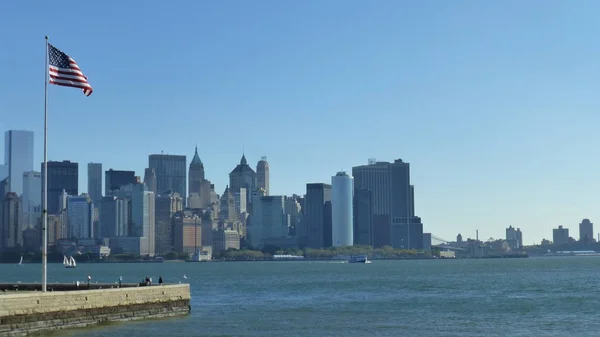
(27, 312)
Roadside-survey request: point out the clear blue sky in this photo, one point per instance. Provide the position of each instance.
(494, 104)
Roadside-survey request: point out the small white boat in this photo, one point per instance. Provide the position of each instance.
(69, 262)
(20, 262)
(359, 259)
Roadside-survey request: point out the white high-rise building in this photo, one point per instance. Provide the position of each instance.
(342, 233)
(31, 198)
(80, 210)
(18, 156)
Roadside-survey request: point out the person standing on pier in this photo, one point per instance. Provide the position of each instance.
(160, 280)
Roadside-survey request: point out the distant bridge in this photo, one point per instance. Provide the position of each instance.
(443, 244)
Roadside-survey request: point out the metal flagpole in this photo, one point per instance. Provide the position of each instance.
(45, 187)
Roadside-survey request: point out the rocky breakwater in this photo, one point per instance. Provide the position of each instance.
(26, 312)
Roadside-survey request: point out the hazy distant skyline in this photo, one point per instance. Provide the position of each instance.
(492, 103)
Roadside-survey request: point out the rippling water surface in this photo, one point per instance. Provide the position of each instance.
(499, 297)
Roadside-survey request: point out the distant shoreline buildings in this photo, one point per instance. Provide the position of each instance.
(175, 209)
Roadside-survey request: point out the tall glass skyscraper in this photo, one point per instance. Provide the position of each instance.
(18, 156)
(171, 173)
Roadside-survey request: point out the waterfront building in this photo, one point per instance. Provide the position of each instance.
(363, 217)
(167, 205)
(10, 231)
(268, 219)
(342, 210)
(225, 239)
(586, 231)
(143, 218)
(560, 236)
(317, 215)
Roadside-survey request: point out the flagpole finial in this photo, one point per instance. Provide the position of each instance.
(46, 37)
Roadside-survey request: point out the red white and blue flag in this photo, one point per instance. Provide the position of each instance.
(65, 71)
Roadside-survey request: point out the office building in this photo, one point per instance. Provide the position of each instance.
(143, 217)
(392, 202)
(560, 236)
(243, 176)
(196, 173)
(3, 172)
(268, 219)
(18, 156)
(514, 237)
(150, 180)
(586, 231)
(114, 179)
(187, 232)
(115, 216)
(224, 240)
(262, 174)
(342, 210)
(363, 217)
(317, 215)
(62, 176)
(80, 210)
(31, 198)
(10, 231)
(166, 206)
(171, 174)
(94, 171)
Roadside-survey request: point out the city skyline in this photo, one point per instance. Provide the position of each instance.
(494, 118)
(129, 179)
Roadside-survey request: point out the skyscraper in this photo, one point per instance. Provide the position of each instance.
(80, 210)
(62, 175)
(392, 201)
(31, 198)
(342, 210)
(170, 172)
(363, 217)
(115, 214)
(268, 220)
(10, 233)
(95, 182)
(18, 155)
(586, 231)
(317, 219)
(243, 176)
(166, 206)
(262, 174)
(143, 218)
(150, 179)
(114, 179)
(196, 173)
(3, 172)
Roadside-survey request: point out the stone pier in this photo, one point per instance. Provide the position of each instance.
(25, 311)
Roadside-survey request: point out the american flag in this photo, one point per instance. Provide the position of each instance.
(65, 71)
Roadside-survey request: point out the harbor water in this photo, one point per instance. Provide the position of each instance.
(557, 296)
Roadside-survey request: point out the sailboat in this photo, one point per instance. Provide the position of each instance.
(20, 262)
(69, 262)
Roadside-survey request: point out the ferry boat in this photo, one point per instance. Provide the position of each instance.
(359, 259)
